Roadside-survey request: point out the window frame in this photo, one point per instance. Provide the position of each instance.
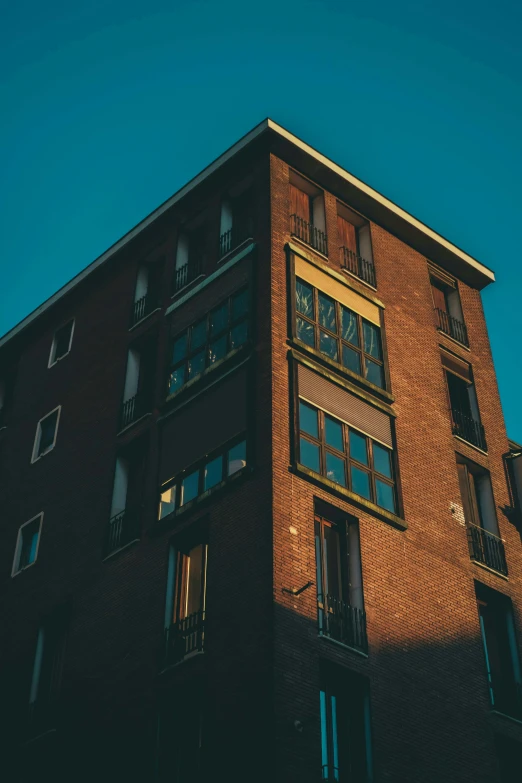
(38, 434)
(345, 456)
(53, 359)
(16, 569)
(364, 357)
(209, 340)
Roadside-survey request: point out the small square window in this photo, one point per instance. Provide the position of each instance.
(61, 343)
(27, 544)
(46, 434)
(189, 488)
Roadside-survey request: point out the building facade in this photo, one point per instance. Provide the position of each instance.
(261, 517)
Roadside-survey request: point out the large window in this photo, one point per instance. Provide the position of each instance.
(346, 456)
(197, 480)
(339, 333)
(185, 610)
(208, 340)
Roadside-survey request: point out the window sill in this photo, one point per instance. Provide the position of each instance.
(149, 315)
(453, 340)
(190, 656)
(59, 359)
(346, 494)
(121, 549)
(40, 736)
(471, 445)
(132, 424)
(187, 286)
(206, 372)
(308, 247)
(43, 454)
(21, 570)
(236, 249)
(488, 568)
(505, 715)
(358, 279)
(344, 646)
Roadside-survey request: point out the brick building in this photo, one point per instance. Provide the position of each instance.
(260, 515)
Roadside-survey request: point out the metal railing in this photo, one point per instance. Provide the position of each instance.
(308, 233)
(342, 622)
(132, 409)
(184, 636)
(225, 243)
(358, 266)
(187, 273)
(486, 548)
(452, 326)
(142, 307)
(121, 530)
(468, 429)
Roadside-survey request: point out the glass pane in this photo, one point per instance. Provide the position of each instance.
(238, 335)
(189, 488)
(308, 419)
(47, 432)
(167, 502)
(194, 580)
(360, 482)
(309, 455)
(349, 326)
(324, 736)
(328, 345)
(33, 543)
(372, 339)
(305, 331)
(196, 364)
(304, 299)
(335, 469)
(374, 373)
(382, 460)
(198, 335)
(352, 359)
(239, 304)
(179, 348)
(358, 448)
(61, 341)
(333, 433)
(219, 319)
(177, 379)
(213, 473)
(237, 458)
(327, 312)
(217, 349)
(385, 495)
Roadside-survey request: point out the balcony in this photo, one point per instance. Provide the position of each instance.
(184, 637)
(121, 530)
(343, 622)
(308, 233)
(187, 274)
(358, 266)
(132, 410)
(142, 308)
(451, 326)
(486, 548)
(468, 429)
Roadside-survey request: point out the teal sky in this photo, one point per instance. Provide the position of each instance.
(107, 109)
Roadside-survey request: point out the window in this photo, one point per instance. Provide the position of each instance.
(46, 432)
(344, 705)
(446, 302)
(485, 544)
(339, 333)
(514, 471)
(347, 457)
(195, 481)
(185, 605)
(146, 292)
(47, 675)
(500, 650)
(307, 215)
(27, 544)
(61, 343)
(236, 221)
(355, 244)
(124, 520)
(462, 400)
(339, 581)
(191, 255)
(209, 340)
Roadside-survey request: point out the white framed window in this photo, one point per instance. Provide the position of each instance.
(61, 344)
(46, 432)
(27, 544)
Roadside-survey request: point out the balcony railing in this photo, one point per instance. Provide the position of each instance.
(187, 274)
(142, 308)
(308, 233)
(184, 636)
(225, 243)
(358, 266)
(486, 548)
(343, 622)
(131, 410)
(468, 429)
(452, 326)
(121, 530)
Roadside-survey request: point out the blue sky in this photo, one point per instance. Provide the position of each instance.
(108, 109)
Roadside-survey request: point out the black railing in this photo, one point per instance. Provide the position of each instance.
(142, 308)
(343, 622)
(184, 637)
(358, 266)
(225, 243)
(308, 233)
(486, 548)
(452, 326)
(187, 273)
(131, 410)
(468, 429)
(121, 530)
